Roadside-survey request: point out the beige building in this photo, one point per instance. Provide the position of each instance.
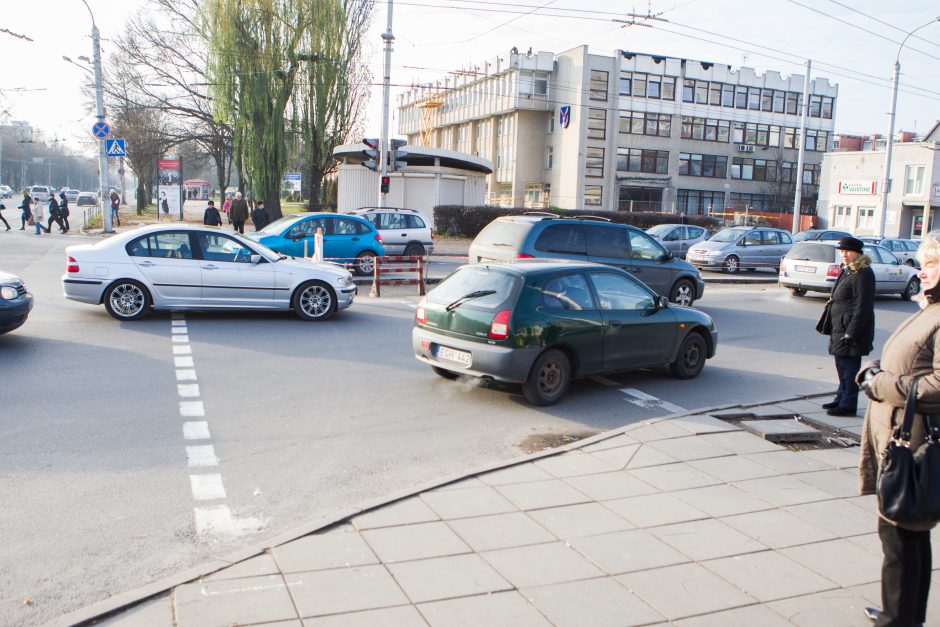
(629, 131)
(851, 188)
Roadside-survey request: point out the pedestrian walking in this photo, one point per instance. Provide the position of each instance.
(259, 217)
(26, 214)
(239, 212)
(909, 355)
(38, 217)
(226, 207)
(54, 215)
(211, 216)
(2, 219)
(64, 211)
(849, 320)
(115, 207)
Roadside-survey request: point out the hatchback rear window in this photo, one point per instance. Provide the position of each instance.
(812, 251)
(504, 234)
(567, 239)
(495, 287)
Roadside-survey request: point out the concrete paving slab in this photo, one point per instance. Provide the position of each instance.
(803, 406)
(769, 411)
(732, 468)
(706, 539)
(867, 503)
(154, 613)
(722, 500)
(856, 431)
(684, 590)
(502, 531)
(345, 590)
(600, 602)
(405, 512)
(504, 609)
(837, 482)
(681, 476)
(248, 600)
(833, 608)
(783, 490)
(731, 412)
(777, 528)
(704, 423)
(520, 473)
(541, 565)
(463, 484)
(788, 462)
(475, 501)
(609, 443)
(401, 616)
(254, 567)
(573, 464)
(768, 576)
(655, 509)
(617, 457)
(782, 430)
(575, 521)
(750, 615)
(837, 516)
(610, 485)
(846, 458)
(447, 577)
(840, 561)
(650, 432)
(870, 542)
(689, 448)
(412, 542)
(741, 442)
(539, 494)
(627, 551)
(647, 456)
(320, 552)
(833, 422)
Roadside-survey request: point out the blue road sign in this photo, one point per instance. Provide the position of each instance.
(115, 148)
(101, 130)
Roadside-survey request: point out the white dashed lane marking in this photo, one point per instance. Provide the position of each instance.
(196, 430)
(207, 487)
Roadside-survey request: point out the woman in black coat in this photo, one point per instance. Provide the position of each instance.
(851, 316)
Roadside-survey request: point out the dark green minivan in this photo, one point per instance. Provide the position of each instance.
(542, 323)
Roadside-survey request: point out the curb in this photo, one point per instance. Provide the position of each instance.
(89, 615)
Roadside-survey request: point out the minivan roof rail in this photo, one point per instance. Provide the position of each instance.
(544, 214)
(598, 218)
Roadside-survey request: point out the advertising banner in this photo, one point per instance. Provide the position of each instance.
(857, 187)
(169, 190)
(291, 182)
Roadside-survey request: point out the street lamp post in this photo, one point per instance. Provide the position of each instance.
(889, 143)
(99, 104)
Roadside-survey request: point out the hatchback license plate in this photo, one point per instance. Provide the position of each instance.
(452, 354)
(806, 269)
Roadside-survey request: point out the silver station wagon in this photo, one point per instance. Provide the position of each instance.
(741, 248)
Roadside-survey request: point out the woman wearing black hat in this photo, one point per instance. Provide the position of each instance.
(851, 318)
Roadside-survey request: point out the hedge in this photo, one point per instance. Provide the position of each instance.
(464, 221)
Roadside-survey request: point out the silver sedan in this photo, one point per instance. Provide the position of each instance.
(178, 267)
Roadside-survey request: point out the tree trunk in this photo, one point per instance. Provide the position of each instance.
(141, 195)
(314, 202)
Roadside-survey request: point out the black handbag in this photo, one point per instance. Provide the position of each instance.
(908, 484)
(824, 325)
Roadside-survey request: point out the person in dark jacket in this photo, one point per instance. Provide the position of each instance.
(851, 316)
(25, 206)
(239, 213)
(54, 215)
(259, 217)
(212, 217)
(2, 219)
(64, 211)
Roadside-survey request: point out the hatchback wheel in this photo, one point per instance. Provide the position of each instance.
(911, 290)
(732, 264)
(691, 358)
(127, 300)
(414, 250)
(549, 378)
(314, 301)
(683, 293)
(365, 263)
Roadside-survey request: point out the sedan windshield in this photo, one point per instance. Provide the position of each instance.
(278, 225)
(728, 235)
(659, 230)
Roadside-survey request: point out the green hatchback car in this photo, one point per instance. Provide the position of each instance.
(542, 323)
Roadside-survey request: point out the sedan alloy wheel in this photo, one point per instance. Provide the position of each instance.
(315, 301)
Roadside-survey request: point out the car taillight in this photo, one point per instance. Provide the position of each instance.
(833, 270)
(421, 315)
(499, 328)
(524, 256)
(378, 238)
(72, 265)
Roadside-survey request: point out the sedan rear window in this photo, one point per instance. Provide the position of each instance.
(812, 251)
(477, 278)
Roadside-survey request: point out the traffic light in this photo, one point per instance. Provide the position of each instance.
(385, 184)
(371, 155)
(396, 156)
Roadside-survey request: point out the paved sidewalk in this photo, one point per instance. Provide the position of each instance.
(682, 520)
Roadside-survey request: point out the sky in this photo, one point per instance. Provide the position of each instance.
(435, 37)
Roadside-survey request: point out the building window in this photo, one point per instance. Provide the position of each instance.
(693, 201)
(593, 195)
(753, 169)
(706, 129)
(639, 160)
(793, 99)
(811, 173)
(549, 157)
(913, 180)
(779, 101)
(843, 215)
(551, 122)
(641, 123)
(712, 166)
(753, 98)
(751, 202)
(598, 85)
(597, 124)
(533, 195)
(639, 85)
(594, 162)
(827, 104)
(540, 86)
(866, 217)
(767, 100)
(727, 95)
(740, 97)
(815, 106)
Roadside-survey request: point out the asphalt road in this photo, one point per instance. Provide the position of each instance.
(305, 419)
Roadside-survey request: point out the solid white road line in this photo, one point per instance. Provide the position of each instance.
(644, 400)
(201, 456)
(188, 390)
(196, 430)
(207, 487)
(192, 409)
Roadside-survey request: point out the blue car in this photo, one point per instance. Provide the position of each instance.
(346, 239)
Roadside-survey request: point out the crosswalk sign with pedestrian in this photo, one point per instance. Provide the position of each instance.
(116, 148)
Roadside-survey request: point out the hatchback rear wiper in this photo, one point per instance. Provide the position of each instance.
(466, 297)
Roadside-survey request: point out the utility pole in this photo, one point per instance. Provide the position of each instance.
(99, 104)
(798, 196)
(388, 38)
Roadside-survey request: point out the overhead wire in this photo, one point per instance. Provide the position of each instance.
(872, 17)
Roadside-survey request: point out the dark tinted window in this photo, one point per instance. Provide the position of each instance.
(477, 278)
(812, 251)
(414, 222)
(570, 292)
(832, 235)
(695, 231)
(618, 292)
(139, 247)
(562, 238)
(606, 241)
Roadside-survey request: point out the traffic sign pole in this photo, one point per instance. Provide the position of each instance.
(103, 197)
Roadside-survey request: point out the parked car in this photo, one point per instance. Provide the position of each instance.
(86, 199)
(179, 267)
(70, 194)
(742, 248)
(15, 302)
(677, 238)
(815, 266)
(820, 234)
(404, 231)
(6, 191)
(543, 322)
(346, 239)
(41, 193)
(588, 238)
(903, 249)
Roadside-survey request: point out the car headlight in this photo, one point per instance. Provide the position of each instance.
(344, 281)
(7, 292)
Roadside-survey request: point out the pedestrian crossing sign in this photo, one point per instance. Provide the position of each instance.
(115, 148)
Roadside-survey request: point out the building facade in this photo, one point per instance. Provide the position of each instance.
(851, 186)
(628, 132)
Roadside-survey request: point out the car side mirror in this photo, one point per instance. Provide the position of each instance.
(666, 256)
(662, 302)
(255, 259)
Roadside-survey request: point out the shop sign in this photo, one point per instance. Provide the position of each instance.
(857, 187)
